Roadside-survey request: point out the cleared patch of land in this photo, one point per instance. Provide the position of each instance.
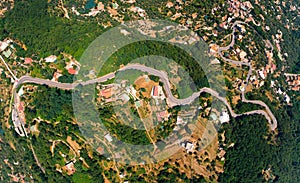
(146, 84)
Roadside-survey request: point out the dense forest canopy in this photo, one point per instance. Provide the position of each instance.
(146, 48)
(44, 34)
(253, 153)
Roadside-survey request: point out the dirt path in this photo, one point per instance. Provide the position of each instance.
(36, 159)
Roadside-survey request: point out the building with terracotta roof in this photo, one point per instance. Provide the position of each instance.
(162, 115)
(169, 4)
(27, 60)
(72, 71)
(69, 168)
(56, 75)
(100, 150)
(154, 92)
(107, 92)
(293, 80)
(213, 48)
(157, 92)
(20, 106)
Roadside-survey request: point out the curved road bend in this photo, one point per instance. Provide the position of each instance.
(172, 101)
(273, 123)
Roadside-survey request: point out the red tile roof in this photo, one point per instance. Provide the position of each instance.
(100, 150)
(28, 61)
(155, 91)
(159, 119)
(161, 115)
(72, 71)
(273, 66)
(20, 107)
(106, 93)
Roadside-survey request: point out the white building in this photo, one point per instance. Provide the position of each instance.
(287, 98)
(3, 45)
(189, 146)
(224, 118)
(261, 74)
(108, 137)
(51, 58)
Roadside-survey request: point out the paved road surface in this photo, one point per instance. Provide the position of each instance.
(172, 101)
(273, 123)
(13, 75)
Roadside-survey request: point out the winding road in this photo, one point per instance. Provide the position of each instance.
(171, 100)
(273, 123)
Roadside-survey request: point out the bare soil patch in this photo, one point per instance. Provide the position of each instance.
(147, 84)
